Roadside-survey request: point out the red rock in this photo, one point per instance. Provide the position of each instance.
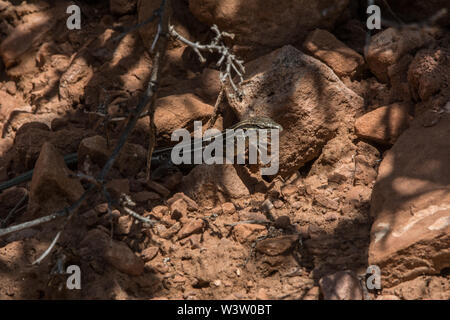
(388, 46)
(285, 96)
(289, 190)
(172, 181)
(10, 87)
(365, 173)
(228, 208)
(96, 148)
(191, 204)
(324, 46)
(130, 161)
(120, 256)
(4, 5)
(384, 124)
(155, 186)
(145, 196)
(96, 242)
(149, 253)
(51, 188)
(8, 104)
(283, 222)
(248, 232)
(178, 209)
(429, 73)
(31, 136)
(160, 211)
(184, 110)
(124, 225)
(196, 226)
(410, 204)
(206, 184)
(359, 195)
(168, 233)
(210, 83)
(421, 288)
(342, 285)
(58, 124)
(276, 246)
(326, 202)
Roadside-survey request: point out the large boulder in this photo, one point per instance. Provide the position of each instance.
(304, 96)
(268, 23)
(411, 205)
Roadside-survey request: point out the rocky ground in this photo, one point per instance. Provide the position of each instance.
(364, 155)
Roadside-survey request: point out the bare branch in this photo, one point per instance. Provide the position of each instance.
(49, 249)
(61, 213)
(233, 66)
(126, 202)
(215, 114)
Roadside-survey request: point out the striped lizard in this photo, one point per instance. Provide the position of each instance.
(158, 155)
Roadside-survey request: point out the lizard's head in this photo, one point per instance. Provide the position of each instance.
(267, 123)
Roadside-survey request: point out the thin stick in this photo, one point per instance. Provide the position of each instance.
(215, 114)
(139, 217)
(161, 47)
(49, 249)
(248, 222)
(51, 217)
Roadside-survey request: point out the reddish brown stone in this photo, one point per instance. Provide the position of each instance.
(344, 61)
(384, 124)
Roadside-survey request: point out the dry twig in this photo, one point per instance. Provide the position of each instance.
(228, 62)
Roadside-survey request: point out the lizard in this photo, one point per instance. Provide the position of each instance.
(159, 156)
